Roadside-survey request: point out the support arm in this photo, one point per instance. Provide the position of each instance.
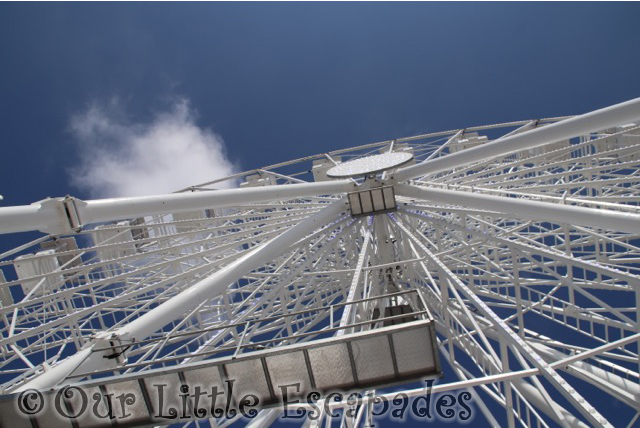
(618, 114)
(63, 215)
(528, 209)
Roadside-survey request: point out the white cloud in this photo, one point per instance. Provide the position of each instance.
(169, 153)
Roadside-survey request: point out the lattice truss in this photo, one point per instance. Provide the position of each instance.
(534, 315)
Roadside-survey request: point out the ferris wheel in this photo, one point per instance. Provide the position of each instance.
(500, 260)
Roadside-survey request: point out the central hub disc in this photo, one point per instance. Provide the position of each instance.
(369, 165)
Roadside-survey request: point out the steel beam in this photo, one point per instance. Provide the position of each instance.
(51, 215)
(618, 114)
(516, 342)
(528, 209)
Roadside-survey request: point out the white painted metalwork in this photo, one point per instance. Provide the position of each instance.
(522, 238)
(369, 165)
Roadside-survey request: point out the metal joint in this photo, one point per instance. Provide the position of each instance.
(71, 211)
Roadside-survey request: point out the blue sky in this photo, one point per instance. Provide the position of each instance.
(258, 83)
(276, 81)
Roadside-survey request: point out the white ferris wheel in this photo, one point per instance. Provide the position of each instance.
(501, 260)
